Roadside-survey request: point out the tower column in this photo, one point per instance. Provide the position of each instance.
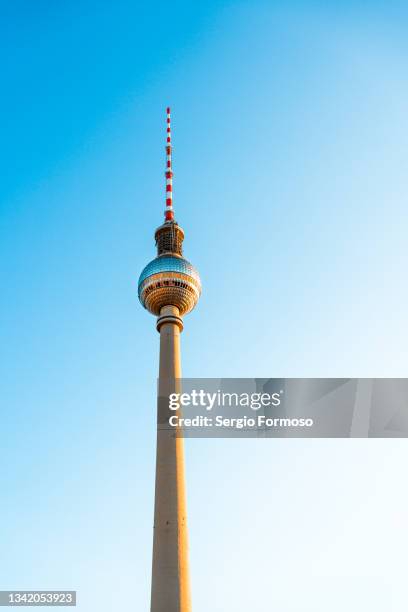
(169, 287)
(170, 571)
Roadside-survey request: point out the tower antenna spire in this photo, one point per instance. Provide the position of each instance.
(168, 213)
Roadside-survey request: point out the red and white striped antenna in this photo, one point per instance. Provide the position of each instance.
(168, 213)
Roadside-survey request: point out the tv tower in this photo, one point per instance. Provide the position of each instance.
(169, 287)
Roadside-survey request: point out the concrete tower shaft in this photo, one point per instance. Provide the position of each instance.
(170, 575)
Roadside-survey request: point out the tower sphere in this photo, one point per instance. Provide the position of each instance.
(169, 280)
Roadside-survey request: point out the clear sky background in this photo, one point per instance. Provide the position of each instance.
(290, 157)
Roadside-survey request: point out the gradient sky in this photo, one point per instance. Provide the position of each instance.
(290, 157)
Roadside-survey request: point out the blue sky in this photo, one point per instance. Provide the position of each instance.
(290, 140)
